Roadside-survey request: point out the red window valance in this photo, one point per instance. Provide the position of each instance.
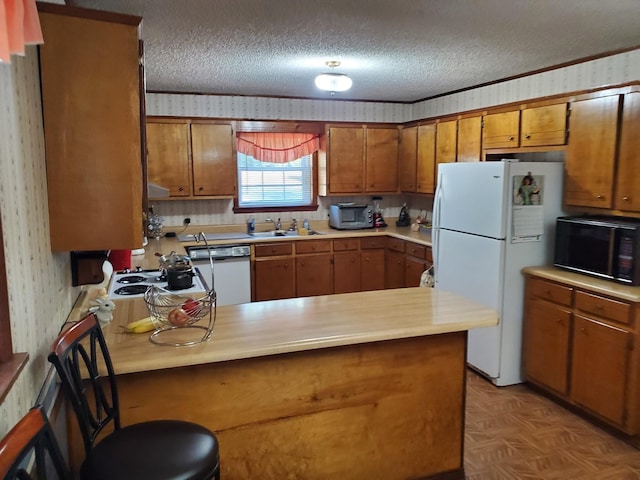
(19, 26)
(277, 147)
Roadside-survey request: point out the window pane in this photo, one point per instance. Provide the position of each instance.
(263, 184)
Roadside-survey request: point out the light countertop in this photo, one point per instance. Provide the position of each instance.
(283, 326)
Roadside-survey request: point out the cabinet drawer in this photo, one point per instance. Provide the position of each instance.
(313, 246)
(273, 249)
(373, 242)
(429, 255)
(415, 250)
(550, 291)
(603, 307)
(345, 244)
(395, 244)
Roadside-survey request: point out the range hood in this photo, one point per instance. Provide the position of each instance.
(156, 191)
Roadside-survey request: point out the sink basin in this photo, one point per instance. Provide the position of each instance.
(283, 233)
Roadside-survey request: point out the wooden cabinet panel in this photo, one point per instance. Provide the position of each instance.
(313, 275)
(550, 291)
(91, 105)
(407, 161)
(469, 139)
(274, 279)
(501, 130)
(373, 269)
(426, 159)
(600, 366)
(603, 307)
(413, 269)
(373, 242)
(346, 272)
(546, 344)
(590, 156)
(313, 246)
(416, 250)
(273, 249)
(544, 126)
(168, 157)
(628, 177)
(381, 160)
(396, 244)
(214, 163)
(394, 269)
(345, 244)
(345, 160)
(446, 141)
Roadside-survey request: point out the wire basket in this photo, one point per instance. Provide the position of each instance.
(169, 311)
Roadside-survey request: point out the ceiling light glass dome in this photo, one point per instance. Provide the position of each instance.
(333, 82)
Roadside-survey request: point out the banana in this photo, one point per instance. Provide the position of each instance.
(140, 326)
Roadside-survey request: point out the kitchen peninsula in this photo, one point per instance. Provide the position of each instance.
(357, 385)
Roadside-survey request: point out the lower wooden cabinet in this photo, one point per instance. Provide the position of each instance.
(274, 275)
(579, 345)
(313, 268)
(405, 263)
(372, 263)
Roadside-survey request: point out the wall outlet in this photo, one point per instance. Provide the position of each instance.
(186, 221)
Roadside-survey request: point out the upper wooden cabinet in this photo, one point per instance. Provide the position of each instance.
(501, 130)
(426, 161)
(544, 126)
(381, 160)
(191, 159)
(168, 157)
(591, 151)
(214, 163)
(446, 141)
(628, 178)
(407, 160)
(357, 160)
(91, 102)
(469, 139)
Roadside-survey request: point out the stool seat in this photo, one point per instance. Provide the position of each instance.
(156, 450)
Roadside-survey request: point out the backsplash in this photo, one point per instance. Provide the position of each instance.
(40, 292)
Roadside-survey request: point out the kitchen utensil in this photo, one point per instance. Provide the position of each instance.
(180, 277)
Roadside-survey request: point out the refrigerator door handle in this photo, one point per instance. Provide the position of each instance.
(435, 232)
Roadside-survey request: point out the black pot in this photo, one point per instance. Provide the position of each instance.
(180, 278)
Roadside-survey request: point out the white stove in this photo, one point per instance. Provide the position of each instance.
(132, 284)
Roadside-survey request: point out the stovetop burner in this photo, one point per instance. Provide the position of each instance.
(131, 290)
(131, 279)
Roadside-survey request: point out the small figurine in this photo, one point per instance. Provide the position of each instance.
(103, 309)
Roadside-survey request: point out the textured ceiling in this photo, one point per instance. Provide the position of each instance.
(394, 50)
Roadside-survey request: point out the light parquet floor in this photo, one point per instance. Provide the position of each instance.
(513, 433)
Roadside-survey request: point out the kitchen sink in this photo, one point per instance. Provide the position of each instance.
(283, 233)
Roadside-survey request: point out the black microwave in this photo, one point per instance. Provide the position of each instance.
(606, 247)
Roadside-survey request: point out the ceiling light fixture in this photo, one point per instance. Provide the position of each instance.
(333, 82)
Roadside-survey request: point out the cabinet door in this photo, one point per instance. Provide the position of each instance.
(313, 275)
(426, 167)
(373, 269)
(446, 141)
(546, 344)
(414, 267)
(168, 157)
(628, 177)
(91, 104)
(469, 139)
(381, 160)
(214, 164)
(544, 126)
(601, 355)
(591, 151)
(346, 160)
(274, 279)
(346, 272)
(394, 269)
(501, 130)
(408, 159)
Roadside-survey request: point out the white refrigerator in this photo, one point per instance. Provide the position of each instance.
(491, 219)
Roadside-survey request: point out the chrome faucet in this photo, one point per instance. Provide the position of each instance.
(277, 225)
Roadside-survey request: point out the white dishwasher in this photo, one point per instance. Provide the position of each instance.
(231, 271)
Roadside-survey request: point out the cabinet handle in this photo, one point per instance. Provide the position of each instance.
(598, 307)
(600, 197)
(200, 188)
(510, 138)
(181, 189)
(626, 199)
(527, 136)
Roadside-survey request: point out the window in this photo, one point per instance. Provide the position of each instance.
(267, 184)
(276, 170)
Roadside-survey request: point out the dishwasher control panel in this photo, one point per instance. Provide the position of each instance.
(218, 251)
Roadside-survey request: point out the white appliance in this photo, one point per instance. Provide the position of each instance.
(483, 235)
(231, 278)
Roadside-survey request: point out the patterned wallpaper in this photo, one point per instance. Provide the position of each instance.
(40, 292)
(612, 70)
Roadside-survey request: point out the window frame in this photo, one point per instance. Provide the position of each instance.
(289, 127)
